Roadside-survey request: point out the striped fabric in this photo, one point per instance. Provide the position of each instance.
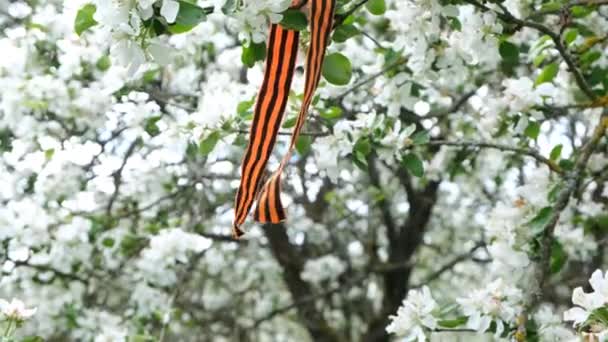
(268, 114)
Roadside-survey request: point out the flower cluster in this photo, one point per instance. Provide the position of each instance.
(498, 303)
(139, 28)
(126, 21)
(324, 268)
(16, 310)
(590, 314)
(415, 317)
(14, 313)
(169, 247)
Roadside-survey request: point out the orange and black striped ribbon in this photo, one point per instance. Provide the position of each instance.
(269, 112)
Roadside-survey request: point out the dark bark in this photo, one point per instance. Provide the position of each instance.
(403, 243)
(292, 264)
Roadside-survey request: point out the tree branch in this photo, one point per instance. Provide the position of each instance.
(292, 263)
(573, 180)
(361, 83)
(383, 203)
(481, 144)
(454, 108)
(449, 265)
(508, 17)
(569, 6)
(339, 18)
(117, 175)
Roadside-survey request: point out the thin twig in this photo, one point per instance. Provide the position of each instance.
(449, 265)
(307, 299)
(339, 18)
(507, 16)
(568, 6)
(520, 150)
(117, 175)
(573, 180)
(388, 68)
(454, 108)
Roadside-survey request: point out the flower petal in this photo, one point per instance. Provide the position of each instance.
(576, 315)
(588, 301)
(169, 10)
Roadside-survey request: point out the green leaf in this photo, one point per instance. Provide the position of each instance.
(331, 113)
(589, 57)
(558, 257)
(151, 127)
(344, 32)
(290, 122)
(581, 11)
(566, 164)
(391, 56)
(570, 35)
(108, 242)
(556, 152)
(303, 144)
(103, 63)
(36, 104)
(208, 144)
(601, 221)
(551, 6)
(548, 74)
(598, 316)
(31, 183)
(243, 109)
(552, 195)
(533, 130)
(363, 146)
(294, 19)
(337, 69)
(509, 52)
(416, 89)
(188, 17)
(376, 7)
(131, 244)
(538, 60)
(455, 24)
(141, 338)
(376, 194)
(48, 154)
(84, 18)
(253, 53)
(32, 339)
(413, 164)
(151, 75)
(360, 161)
(453, 323)
(421, 138)
(6, 140)
(538, 223)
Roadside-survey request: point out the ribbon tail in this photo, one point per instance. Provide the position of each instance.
(236, 231)
(269, 208)
(268, 115)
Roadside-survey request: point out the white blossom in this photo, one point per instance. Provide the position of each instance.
(550, 326)
(16, 310)
(323, 268)
(415, 316)
(498, 302)
(588, 302)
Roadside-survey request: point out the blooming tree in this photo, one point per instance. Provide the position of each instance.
(451, 180)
